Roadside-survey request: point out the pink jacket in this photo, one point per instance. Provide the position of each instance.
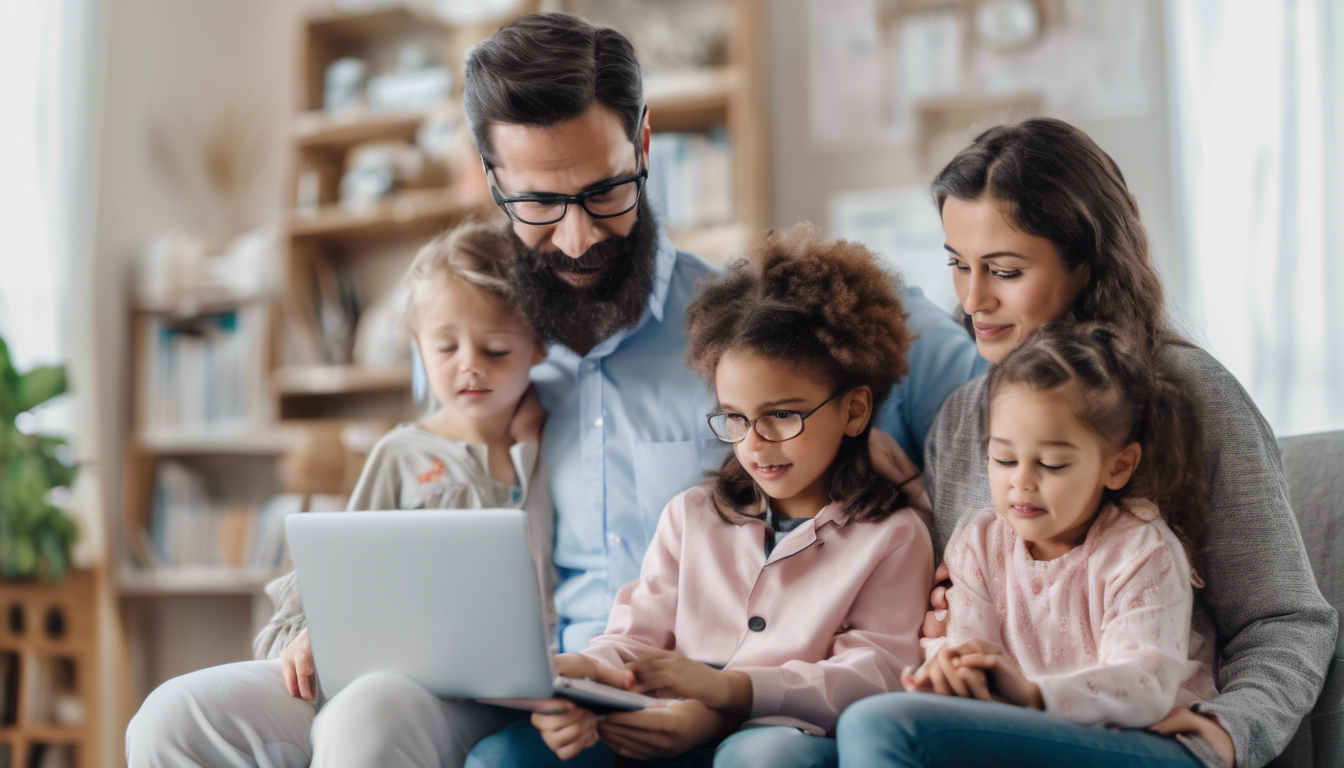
(832, 616)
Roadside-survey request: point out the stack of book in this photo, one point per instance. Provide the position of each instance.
(690, 178)
(205, 372)
(189, 528)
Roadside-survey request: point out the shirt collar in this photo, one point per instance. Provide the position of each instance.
(665, 262)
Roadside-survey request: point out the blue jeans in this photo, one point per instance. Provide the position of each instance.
(928, 730)
(769, 747)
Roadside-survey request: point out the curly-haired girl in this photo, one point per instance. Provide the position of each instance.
(794, 581)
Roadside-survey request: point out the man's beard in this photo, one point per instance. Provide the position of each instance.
(580, 317)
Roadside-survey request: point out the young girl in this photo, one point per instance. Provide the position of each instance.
(794, 581)
(479, 449)
(1073, 594)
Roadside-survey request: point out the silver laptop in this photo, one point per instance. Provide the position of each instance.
(448, 598)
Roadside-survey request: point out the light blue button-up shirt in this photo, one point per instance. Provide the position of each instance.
(626, 432)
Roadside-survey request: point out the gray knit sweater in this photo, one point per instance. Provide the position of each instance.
(1276, 633)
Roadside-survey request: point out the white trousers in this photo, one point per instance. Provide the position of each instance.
(240, 716)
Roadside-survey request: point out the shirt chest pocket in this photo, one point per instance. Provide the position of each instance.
(662, 470)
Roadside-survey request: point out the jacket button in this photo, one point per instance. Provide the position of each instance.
(756, 624)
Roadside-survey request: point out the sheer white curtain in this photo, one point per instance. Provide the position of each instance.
(46, 150)
(1259, 113)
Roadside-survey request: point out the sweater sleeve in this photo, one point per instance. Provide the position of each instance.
(645, 610)
(1142, 655)
(867, 659)
(971, 611)
(1276, 632)
(378, 488)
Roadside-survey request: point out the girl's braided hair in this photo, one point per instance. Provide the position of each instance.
(1120, 391)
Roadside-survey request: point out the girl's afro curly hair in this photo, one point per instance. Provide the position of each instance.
(799, 297)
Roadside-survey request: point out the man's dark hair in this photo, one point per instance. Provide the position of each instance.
(547, 68)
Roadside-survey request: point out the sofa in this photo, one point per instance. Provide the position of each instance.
(1314, 466)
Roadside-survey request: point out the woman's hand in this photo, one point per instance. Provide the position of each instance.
(525, 426)
(296, 661)
(670, 675)
(935, 621)
(1182, 720)
(889, 459)
(664, 731)
(566, 729)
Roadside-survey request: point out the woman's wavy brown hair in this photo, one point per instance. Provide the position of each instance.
(1051, 180)
(825, 304)
(1120, 391)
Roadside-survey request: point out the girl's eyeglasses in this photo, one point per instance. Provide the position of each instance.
(773, 427)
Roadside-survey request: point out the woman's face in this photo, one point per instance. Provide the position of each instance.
(1008, 281)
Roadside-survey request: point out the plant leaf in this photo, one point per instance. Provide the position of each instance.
(40, 385)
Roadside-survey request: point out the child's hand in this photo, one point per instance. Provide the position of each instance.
(296, 661)
(941, 675)
(670, 675)
(1182, 720)
(664, 731)
(567, 733)
(576, 666)
(525, 426)
(1005, 679)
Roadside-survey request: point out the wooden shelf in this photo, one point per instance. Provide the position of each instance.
(378, 21)
(319, 129)
(338, 379)
(194, 581)
(49, 733)
(409, 210)
(194, 307)
(263, 440)
(691, 99)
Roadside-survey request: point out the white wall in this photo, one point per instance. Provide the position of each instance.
(803, 177)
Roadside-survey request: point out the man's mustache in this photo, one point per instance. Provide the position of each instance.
(597, 255)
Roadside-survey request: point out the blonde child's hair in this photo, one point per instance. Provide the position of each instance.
(475, 252)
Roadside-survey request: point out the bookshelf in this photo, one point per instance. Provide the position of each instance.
(306, 378)
(48, 661)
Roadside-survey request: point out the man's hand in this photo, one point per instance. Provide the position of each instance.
(525, 426)
(670, 675)
(296, 661)
(935, 621)
(665, 731)
(566, 729)
(1182, 720)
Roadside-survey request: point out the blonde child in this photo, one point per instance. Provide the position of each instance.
(1073, 595)
(479, 448)
(794, 581)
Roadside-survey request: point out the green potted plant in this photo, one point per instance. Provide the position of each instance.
(35, 535)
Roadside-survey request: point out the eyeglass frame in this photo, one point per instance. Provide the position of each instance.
(566, 200)
(751, 423)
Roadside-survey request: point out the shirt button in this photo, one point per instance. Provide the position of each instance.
(614, 538)
(756, 624)
(597, 422)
